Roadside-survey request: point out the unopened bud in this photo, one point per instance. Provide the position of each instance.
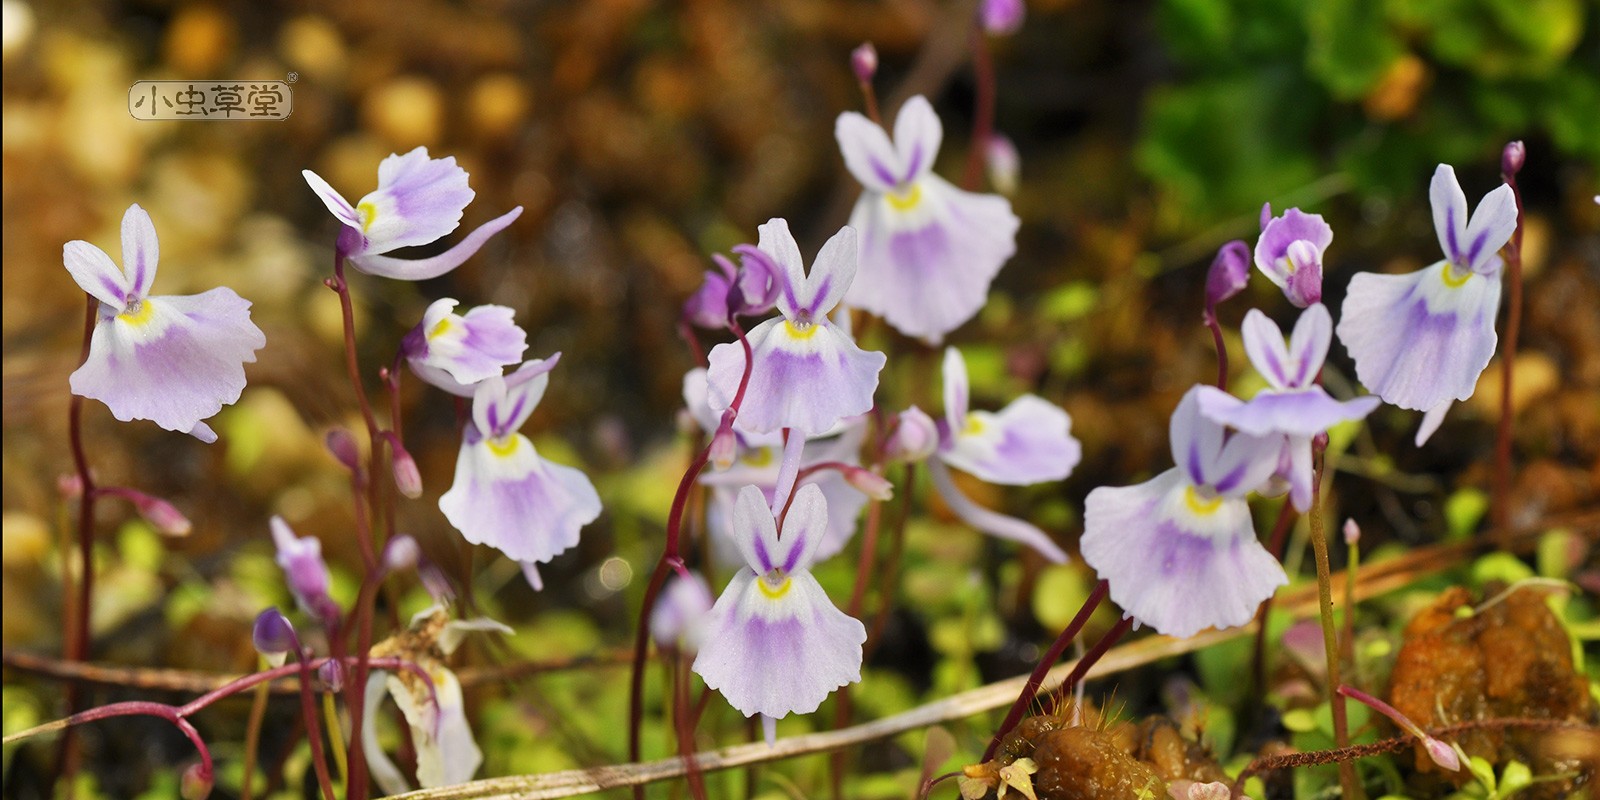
(864, 62)
(1442, 754)
(437, 585)
(1352, 532)
(407, 478)
(869, 483)
(724, 444)
(1229, 274)
(331, 673)
(162, 515)
(1002, 17)
(196, 782)
(1512, 158)
(915, 437)
(273, 636)
(70, 485)
(1004, 163)
(343, 447)
(401, 553)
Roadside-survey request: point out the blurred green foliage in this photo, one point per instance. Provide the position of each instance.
(1277, 93)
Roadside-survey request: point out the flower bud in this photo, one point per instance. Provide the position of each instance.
(331, 673)
(864, 62)
(1352, 532)
(1512, 158)
(708, 306)
(869, 483)
(343, 447)
(759, 282)
(407, 478)
(915, 437)
(401, 553)
(1442, 754)
(1003, 162)
(196, 782)
(1229, 274)
(677, 619)
(70, 485)
(305, 571)
(162, 515)
(724, 443)
(1002, 17)
(273, 636)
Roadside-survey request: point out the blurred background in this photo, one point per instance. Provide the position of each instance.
(642, 136)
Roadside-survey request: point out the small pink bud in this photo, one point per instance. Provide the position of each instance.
(70, 485)
(864, 62)
(196, 782)
(331, 673)
(1512, 158)
(273, 636)
(1442, 754)
(162, 515)
(1352, 532)
(724, 444)
(407, 478)
(401, 553)
(1002, 17)
(915, 437)
(869, 483)
(1229, 273)
(343, 447)
(1004, 163)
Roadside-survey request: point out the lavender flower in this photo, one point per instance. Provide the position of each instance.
(172, 359)
(1180, 550)
(418, 200)
(1228, 275)
(1293, 404)
(774, 643)
(1420, 340)
(928, 250)
(306, 572)
(505, 495)
(1028, 441)
(807, 373)
(678, 621)
(1290, 250)
(453, 351)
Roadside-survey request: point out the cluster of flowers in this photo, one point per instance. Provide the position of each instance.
(1180, 551)
(788, 428)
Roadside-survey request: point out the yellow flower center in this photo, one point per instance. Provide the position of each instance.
(368, 213)
(138, 313)
(774, 592)
(974, 425)
(504, 446)
(1452, 280)
(759, 458)
(906, 200)
(1202, 505)
(441, 329)
(804, 330)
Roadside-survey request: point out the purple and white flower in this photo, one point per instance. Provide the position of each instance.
(418, 200)
(1293, 404)
(1180, 550)
(172, 359)
(455, 351)
(1029, 441)
(1290, 250)
(305, 571)
(505, 494)
(774, 643)
(1420, 340)
(807, 374)
(679, 620)
(928, 250)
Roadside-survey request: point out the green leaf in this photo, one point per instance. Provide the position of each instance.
(1351, 45)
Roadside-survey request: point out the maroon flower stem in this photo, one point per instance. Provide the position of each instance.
(983, 107)
(1501, 515)
(1222, 349)
(671, 559)
(1280, 532)
(683, 720)
(858, 592)
(1051, 656)
(891, 570)
(812, 469)
(77, 645)
(1348, 782)
(1064, 691)
(869, 99)
(308, 710)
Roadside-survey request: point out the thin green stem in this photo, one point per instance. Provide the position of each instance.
(1319, 543)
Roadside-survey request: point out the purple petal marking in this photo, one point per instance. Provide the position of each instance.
(1477, 247)
(762, 556)
(1451, 226)
(1196, 466)
(884, 173)
(915, 163)
(807, 384)
(523, 505)
(1230, 481)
